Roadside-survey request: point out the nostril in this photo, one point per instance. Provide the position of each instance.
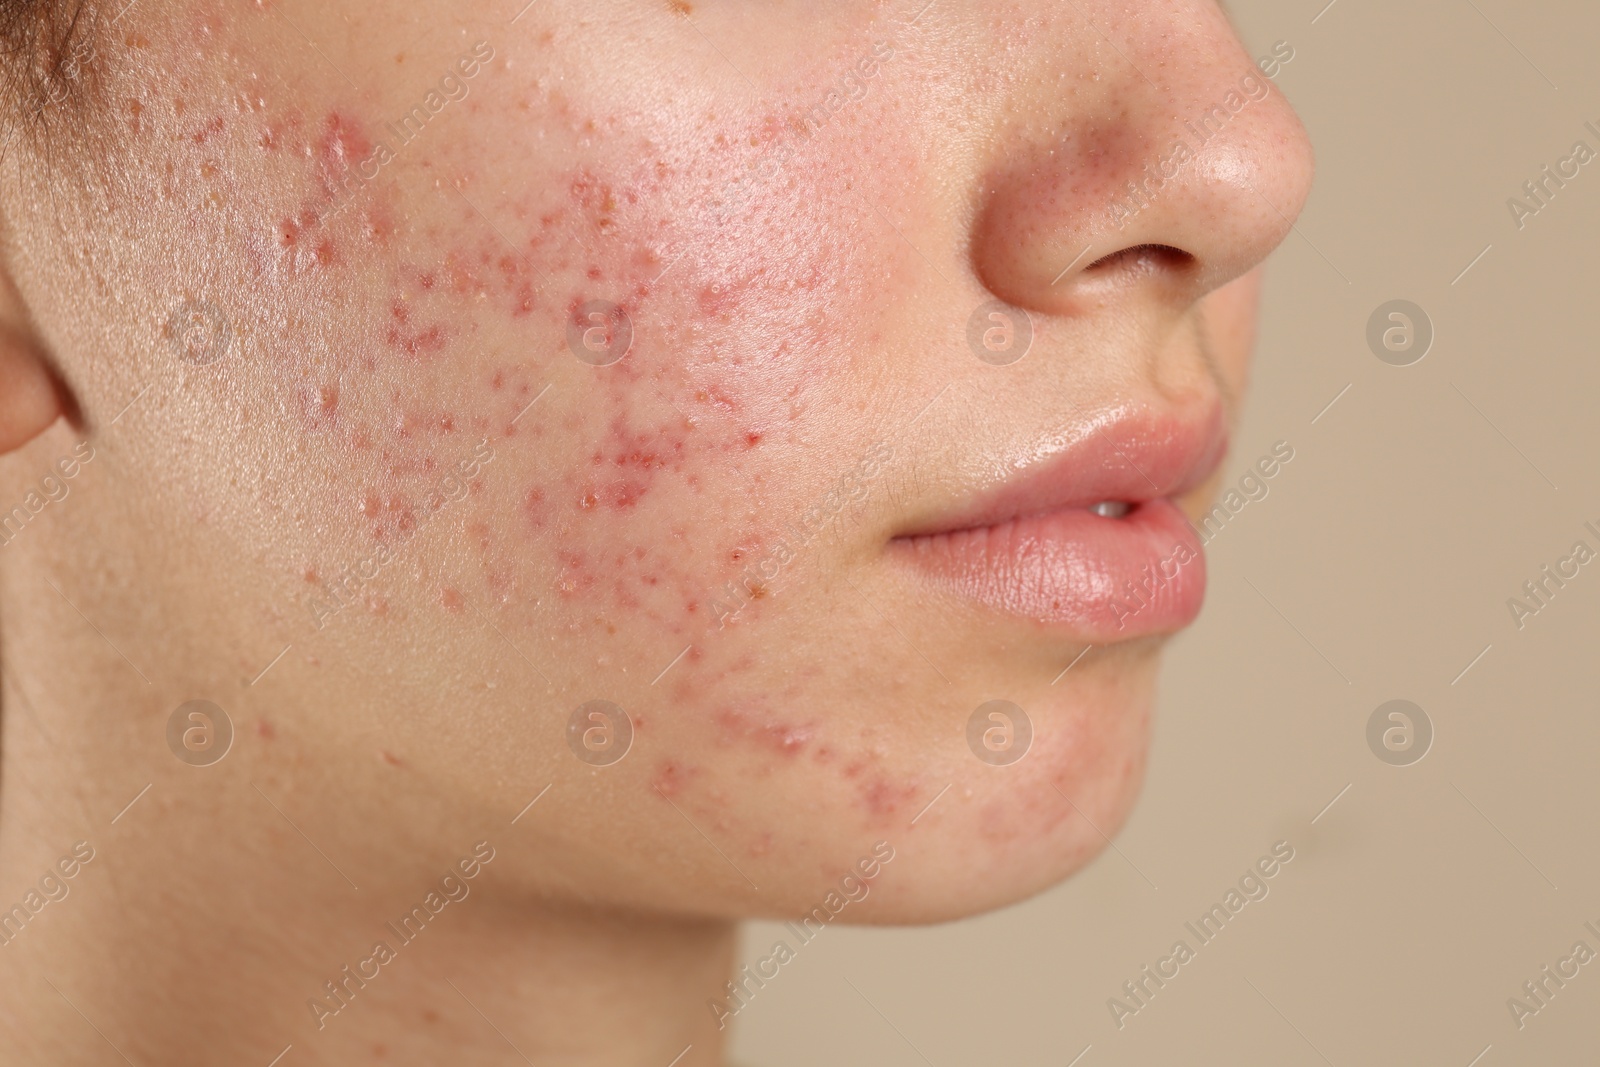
(1145, 258)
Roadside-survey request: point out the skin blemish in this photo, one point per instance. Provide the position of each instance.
(784, 738)
(341, 146)
(670, 778)
(882, 799)
(319, 406)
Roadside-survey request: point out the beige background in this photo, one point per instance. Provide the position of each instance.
(1415, 506)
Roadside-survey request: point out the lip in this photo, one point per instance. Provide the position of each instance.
(1030, 547)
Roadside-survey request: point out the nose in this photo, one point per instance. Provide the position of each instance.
(1174, 167)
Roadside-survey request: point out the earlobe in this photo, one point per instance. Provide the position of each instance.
(30, 397)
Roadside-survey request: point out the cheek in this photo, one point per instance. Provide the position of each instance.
(421, 303)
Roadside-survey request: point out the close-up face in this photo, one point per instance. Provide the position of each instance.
(797, 380)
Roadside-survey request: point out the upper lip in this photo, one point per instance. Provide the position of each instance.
(1129, 456)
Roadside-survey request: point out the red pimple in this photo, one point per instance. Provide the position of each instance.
(452, 600)
(341, 146)
(882, 798)
(209, 130)
(670, 778)
(784, 738)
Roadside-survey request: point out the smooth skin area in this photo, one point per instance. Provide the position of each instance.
(303, 277)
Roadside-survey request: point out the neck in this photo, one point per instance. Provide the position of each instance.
(208, 925)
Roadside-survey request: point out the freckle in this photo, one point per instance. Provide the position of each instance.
(390, 758)
(757, 591)
(452, 600)
(265, 730)
(310, 575)
(325, 253)
(378, 605)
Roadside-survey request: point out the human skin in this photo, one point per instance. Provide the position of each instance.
(798, 300)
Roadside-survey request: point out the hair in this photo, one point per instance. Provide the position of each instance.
(47, 63)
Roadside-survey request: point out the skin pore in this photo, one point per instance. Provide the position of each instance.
(316, 285)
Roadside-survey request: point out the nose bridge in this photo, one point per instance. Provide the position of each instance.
(1178, 143)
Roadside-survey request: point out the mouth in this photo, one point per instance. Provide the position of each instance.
(1088, 539)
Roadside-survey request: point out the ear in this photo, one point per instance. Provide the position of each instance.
(31, 399)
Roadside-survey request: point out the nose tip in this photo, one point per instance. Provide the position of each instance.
(1175, 190)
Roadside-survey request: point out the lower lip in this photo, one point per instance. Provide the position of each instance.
(1102, 579)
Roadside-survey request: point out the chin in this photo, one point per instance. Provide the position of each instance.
(1003, 834)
